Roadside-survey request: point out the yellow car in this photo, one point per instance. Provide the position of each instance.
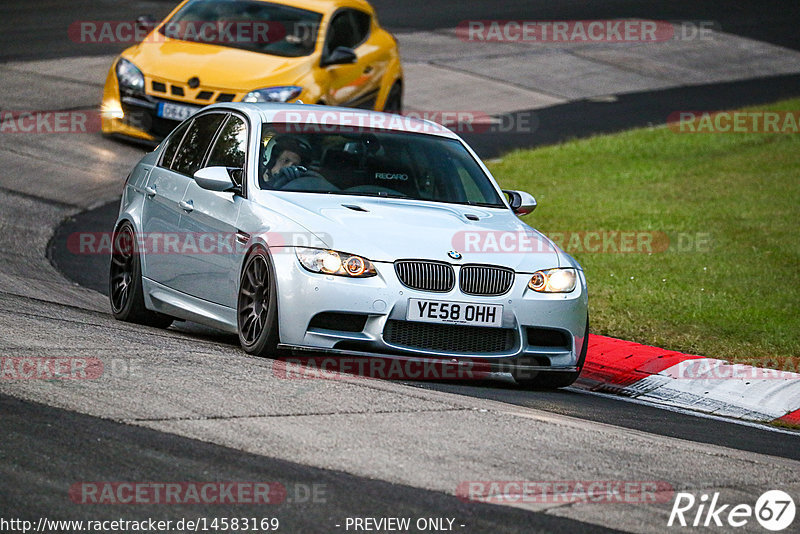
(330, 52)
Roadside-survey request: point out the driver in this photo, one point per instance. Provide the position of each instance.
(284, 162)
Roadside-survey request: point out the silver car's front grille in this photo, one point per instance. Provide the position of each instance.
(485, 280)
(425, 275)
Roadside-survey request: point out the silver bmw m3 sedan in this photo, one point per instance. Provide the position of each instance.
(349, 233)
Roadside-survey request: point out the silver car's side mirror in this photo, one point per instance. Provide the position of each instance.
(215, 179)
(521, 203)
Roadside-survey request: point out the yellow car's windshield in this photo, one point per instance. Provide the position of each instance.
(246, 24)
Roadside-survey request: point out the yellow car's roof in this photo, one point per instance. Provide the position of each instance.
(327, 5)
(319, 6)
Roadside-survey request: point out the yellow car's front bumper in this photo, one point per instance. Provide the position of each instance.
(113, 119)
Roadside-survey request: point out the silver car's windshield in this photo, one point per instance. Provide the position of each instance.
(376, 163)
(250, 25)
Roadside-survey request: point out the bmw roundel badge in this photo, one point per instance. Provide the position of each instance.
(454, 254)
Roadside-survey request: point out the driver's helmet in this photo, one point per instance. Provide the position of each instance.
(280, 143)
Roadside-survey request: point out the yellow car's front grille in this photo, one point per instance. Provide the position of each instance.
(184, 92)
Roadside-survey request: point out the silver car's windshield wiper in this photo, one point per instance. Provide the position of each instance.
(483, 204)
(378, 194)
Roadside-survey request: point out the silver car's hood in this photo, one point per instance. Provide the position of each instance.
(390, 229)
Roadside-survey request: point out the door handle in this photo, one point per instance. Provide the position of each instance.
(368, 69)
(186, 205)
(150, 191)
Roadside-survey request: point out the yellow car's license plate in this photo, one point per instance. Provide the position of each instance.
(175, 112)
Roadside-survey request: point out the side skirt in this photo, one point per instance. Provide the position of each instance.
(163, 299)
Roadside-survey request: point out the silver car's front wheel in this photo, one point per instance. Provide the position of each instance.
(257, 308)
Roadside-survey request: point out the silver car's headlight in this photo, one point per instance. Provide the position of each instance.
(554, 281)
(332, 262)
(129, 76)
(273, 94)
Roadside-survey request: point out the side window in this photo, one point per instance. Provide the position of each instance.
(193, 149)
(340, 33)
(172, 145)
(230, 148)
(361, 22)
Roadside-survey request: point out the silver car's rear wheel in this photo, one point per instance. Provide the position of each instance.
(125, 282)
(257, 309)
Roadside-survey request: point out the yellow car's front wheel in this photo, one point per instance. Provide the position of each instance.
(394, 101)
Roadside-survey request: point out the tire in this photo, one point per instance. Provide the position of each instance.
(394, 100)
(125, 292)
(555, 379)
(257, 305)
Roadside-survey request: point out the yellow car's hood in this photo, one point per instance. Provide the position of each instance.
(217, 67)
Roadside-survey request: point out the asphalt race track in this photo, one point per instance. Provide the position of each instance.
(187, 404)
(91, 271)
(34, 30)
(128, 453)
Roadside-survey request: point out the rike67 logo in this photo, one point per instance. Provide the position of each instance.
(774, 510)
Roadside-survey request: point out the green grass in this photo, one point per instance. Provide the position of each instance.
(738, 299)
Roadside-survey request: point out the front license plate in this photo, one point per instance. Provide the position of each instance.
(176, 112)
(466, 313)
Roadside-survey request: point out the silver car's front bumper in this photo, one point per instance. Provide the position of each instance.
(303, 295)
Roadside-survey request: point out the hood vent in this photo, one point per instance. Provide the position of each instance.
(355, 208)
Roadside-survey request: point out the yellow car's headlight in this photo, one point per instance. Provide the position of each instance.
(129, 76)
(273, 94)
(554, 281)
(332, 262)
